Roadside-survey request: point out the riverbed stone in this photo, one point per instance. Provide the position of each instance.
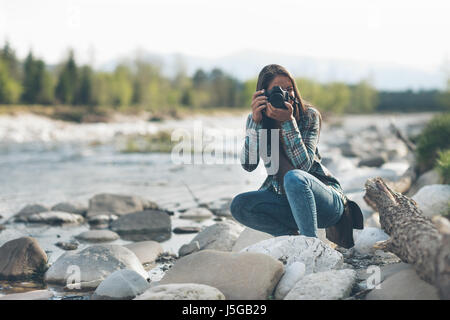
(248, 237)
(29, 210)
(30, 295)
(118, 204)
(196, 214)
(21, 258)
(144, 225)
(55, 218)
(293, 273)
(366, 238)
(182, 291)
(373, 161)
(404, 285)
(10, 234)
(219, 236)
(188, 248)
(186, 229)
(314, 253)
(326, 285)
(71, 207)
(98, 236)
(146, 251)
(427, 178)
(121, 285)
(433, 199)
(87, 268)
(238, 275)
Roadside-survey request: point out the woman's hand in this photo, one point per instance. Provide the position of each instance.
(259, 102)
(280, 114)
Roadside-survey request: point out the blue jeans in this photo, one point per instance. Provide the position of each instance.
(307, 205)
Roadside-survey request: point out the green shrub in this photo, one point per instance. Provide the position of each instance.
(443, 165)
(433, 139)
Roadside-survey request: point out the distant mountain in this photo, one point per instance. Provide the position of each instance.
(247, 64)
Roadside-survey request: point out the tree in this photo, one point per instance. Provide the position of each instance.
(10, 89)
(363, 99)
(66, 88)
(85, 89)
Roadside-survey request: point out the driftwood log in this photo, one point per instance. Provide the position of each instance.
(414, 238)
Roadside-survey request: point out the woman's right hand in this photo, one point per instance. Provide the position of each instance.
(259, 102)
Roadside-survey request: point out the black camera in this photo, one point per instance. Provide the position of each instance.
(277, 97)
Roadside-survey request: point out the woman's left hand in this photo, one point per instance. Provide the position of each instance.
(280, 114)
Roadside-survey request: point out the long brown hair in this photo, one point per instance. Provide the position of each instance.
(265, 77)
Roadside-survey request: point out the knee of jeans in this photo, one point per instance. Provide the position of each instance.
(236, 206)
(294, 177)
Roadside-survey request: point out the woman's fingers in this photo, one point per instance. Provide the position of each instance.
(258, 101)
(257, 93)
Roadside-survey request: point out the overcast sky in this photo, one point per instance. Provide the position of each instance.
(411, 33)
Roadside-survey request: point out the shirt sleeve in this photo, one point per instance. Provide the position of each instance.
(250, 151)
(301, 146)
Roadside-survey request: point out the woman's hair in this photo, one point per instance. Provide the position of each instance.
(267, 74)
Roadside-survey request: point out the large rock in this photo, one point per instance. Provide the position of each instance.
(87, 268)
(71, 207)
(248, 237)
(30, 295)
(121, 285)
(11, 234)
(404, 285)
(428, 178)
(316, 255)
(146, 251)
(145, 225)
(433, 199)
(98, 236)
(54, 218)
(239, 276)
(117, 204)
(294, 272)
(21, 258)
(366, 238)
(219, 236)
(327, 285)
(373, 161)
(29, 210)
(182, 291)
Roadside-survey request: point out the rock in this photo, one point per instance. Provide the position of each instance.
(182, 291)
(248, 237)
(30, 295)
(146, 251)
(219, 236)
(373, 221)
(145, 225)
(384, 272)
(2, 227)
(29, 210)
(322, 235)
(349, 149)
(107, 204)
(21, 258)
(433, 199)
(327, 285)
(71, 207)
(428, 178)
(54, 218)
(404, 285)
(121, 285)
(221, 208)
(238, 275)
(366, 238)
(102, 220)
(196, 214)
(87, 268)
(189, 248)
(373, 161)
(67, 245)
(98, 236)
(294, 272)
(186, 229)
(316, 255)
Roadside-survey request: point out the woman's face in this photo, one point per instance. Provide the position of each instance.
(284, 82)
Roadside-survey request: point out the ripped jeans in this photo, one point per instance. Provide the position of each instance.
(307, 205)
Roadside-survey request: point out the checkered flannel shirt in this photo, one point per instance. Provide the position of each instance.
(300, 142)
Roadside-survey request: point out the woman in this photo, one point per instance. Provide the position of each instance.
(302, 195)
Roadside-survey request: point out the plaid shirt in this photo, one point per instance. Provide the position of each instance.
(300, 142)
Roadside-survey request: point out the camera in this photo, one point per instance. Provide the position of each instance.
(277, 97)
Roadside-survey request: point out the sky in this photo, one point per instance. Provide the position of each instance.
(410, 33)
